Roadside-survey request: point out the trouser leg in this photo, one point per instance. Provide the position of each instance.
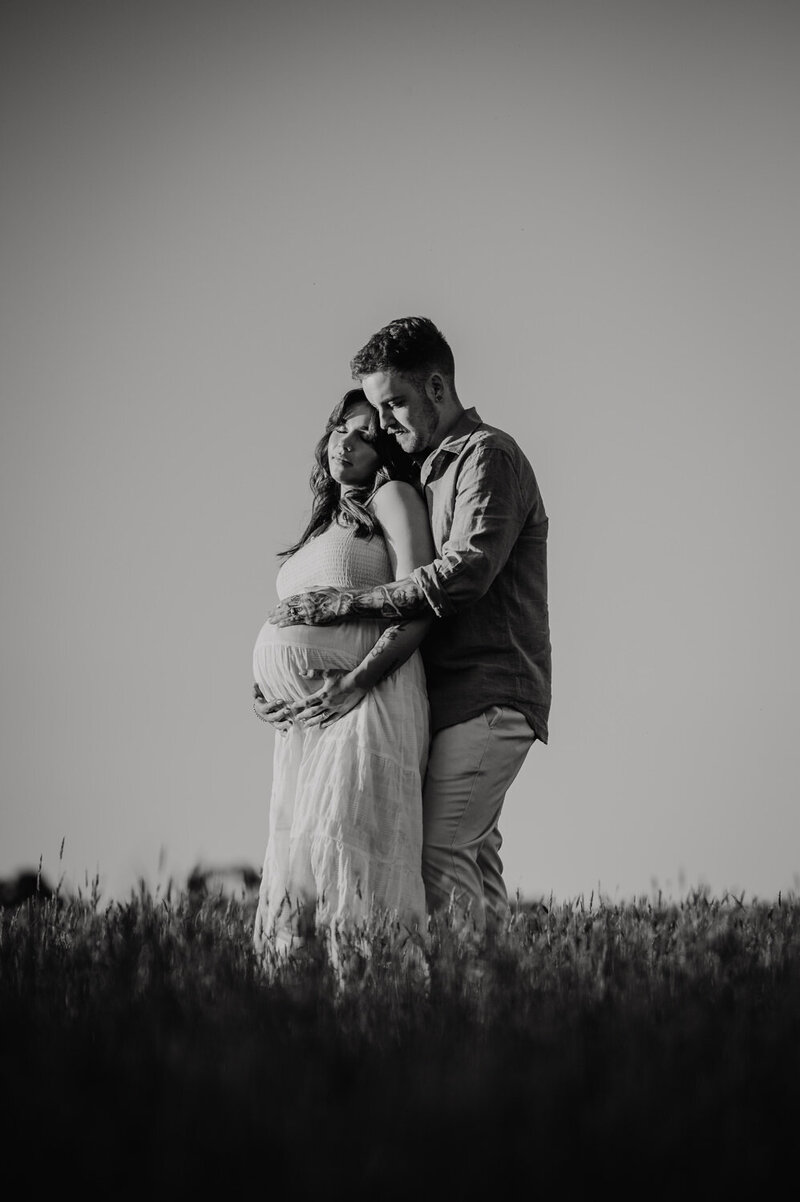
(495, 896)
(470, 769)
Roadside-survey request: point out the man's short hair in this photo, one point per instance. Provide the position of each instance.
(410, 345)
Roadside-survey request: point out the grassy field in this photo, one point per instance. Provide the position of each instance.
(651, 1048)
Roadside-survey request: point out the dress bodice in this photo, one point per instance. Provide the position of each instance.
(336, 558)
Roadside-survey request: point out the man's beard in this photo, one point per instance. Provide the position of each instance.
(407, 439)
(417, 442)
(411, 442)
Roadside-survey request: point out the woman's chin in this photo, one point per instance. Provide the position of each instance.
(346, 481)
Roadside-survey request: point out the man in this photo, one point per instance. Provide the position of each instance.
(487, 657)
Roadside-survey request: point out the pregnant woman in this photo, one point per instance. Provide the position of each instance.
(345, 823)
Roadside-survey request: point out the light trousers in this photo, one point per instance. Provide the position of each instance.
(470, 769)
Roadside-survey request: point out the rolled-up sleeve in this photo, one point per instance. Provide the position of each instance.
(490, 508)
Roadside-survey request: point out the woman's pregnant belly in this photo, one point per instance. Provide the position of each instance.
(282, 652)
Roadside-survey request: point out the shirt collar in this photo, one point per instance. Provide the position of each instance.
(454, 441)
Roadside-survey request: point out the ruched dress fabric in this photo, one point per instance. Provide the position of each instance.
(345, 820)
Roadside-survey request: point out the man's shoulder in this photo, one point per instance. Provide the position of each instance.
(488, 438)
(493, 436)
(478, 446)
(497, 457)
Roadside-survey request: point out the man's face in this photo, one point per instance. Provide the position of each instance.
(405, 411)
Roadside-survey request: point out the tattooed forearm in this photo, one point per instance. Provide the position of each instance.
(381, 648)
(400, 599)
(395, 645)
(325, 606)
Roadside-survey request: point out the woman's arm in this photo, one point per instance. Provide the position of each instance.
(403, 518)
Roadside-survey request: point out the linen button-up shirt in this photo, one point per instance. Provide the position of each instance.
(488, 584)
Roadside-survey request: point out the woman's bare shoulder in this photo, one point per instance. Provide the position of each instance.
(397, 495)
(402, 514)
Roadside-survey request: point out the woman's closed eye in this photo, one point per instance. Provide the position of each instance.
(364, 435)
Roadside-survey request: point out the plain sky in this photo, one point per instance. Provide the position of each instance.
(207, 208)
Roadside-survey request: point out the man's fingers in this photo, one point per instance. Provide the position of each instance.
(284, 613)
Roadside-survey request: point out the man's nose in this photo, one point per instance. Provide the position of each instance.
(385, 417)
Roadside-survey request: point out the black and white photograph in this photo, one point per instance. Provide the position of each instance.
(398, 528)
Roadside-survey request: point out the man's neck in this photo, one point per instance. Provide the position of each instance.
(449, 421)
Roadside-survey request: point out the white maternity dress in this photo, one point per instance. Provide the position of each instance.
(345, 818)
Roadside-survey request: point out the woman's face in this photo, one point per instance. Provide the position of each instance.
(352, 460)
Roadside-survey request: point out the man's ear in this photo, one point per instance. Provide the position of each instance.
(434, 387)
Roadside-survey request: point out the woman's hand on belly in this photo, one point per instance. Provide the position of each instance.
(336, 697)
(275, 711)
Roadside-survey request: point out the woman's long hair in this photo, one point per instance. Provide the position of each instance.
(351, 508)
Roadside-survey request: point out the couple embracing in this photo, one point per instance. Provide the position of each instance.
(406, 666)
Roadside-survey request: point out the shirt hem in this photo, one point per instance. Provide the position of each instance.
(539, 727)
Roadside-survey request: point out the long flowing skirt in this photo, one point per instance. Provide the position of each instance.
(344, 842)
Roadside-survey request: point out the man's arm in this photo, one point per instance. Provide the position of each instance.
(325, 606)
(492, 504)
(403, 518)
